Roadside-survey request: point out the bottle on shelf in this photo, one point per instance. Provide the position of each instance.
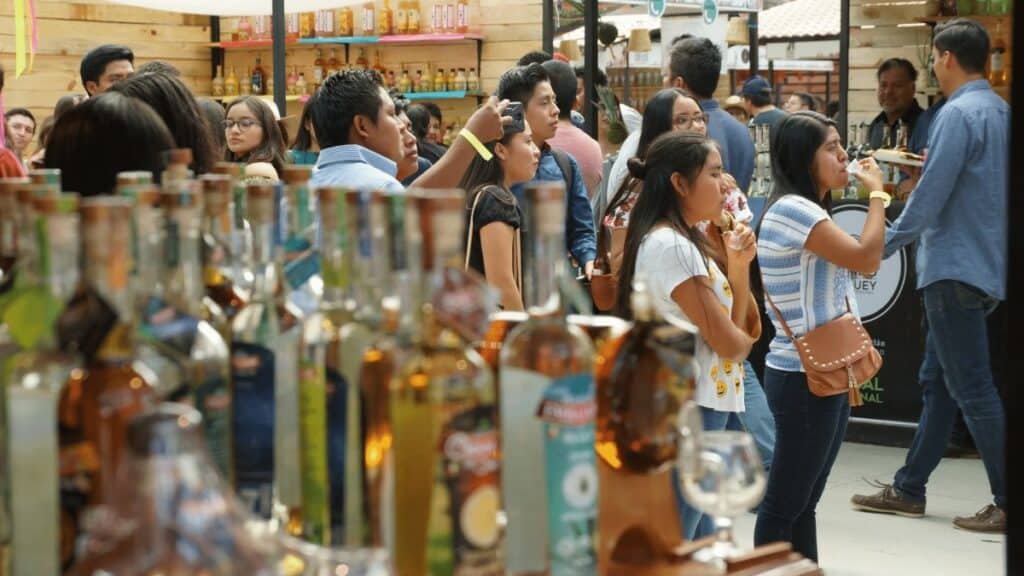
(345, 24)
(426, 82)
(264, 361)
(362, 62)
(301, 86)
(440, 80)
(453, 80)
(473, 81)
(417, 82)
(462, 16)
(99, 401)
(333, 65)
(245, 30)
(449, 16)
(443, 416)
(34, 379)
(389, 80)
(437, 17)
(261, 28)
(319, 69)
(386, 20)
(290, 81)
(258, 78)
(231, 83)
(307, 25)
(292, 26)
(217, 86)
(369, 25)
(325, 25)
(547, 414)
(405, 83)
(245, 86)
(377, 66)
(461, 82)
(997, 62)
(414, 16)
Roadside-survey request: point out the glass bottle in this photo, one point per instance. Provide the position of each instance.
(548, 410)
(344, 22)
(437, 17)
(264, 361)
(325, 24)
(241, 232)
(361, 61)
(231, 83)
(443, 415)
(462, 16)
(261, 28)
(301, 264)
(218, 253)
(98, 402)
(258, 78)
(301, 86)
(644, 377)
(417, 82)
(997, 59)
(377, 66)
(33, 379)
(175, 514)
(389, 80)
(319, 69)
(245, 86)
(369, 24)
(413, 11)
(404, 83)
(440, 82)
(386, 20)
(292, 27)
(449, 16)
(245, 32)
(290, 82)
(453, 81)
(307, 25)
(332, 63)
(402, 17)
(185, 325)
(218, 82)
(461, 80)
(473, 81)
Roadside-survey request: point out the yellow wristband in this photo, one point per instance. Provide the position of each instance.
(885, 197)
(475, 143)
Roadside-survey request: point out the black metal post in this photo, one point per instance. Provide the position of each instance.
(277, 29)
(590, 65)
(844, 69)
(548, 27)
(828, 89)
(627, 85)
(216, 54)
(754, 51)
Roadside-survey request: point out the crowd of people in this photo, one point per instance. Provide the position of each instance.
(655, 198)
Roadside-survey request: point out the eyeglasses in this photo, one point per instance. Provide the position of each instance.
(686, 120)
(243, 124)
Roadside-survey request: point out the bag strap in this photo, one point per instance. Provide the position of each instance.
(469, 233)
(785, 326)
(562, 159)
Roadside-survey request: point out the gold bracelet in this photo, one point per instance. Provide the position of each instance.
(475, 143)
(885, 197)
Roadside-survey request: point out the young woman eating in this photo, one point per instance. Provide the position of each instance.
(255, 139)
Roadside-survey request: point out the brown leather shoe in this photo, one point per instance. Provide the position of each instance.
(888, 501)
(989, 519)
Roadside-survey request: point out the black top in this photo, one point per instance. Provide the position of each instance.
(430, 151)
(877, 129)
(496, 204)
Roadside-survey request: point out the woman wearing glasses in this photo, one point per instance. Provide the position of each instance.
(254, 139)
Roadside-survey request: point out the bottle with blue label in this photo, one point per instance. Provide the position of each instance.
(264, 373)
(301, 263)
(548, 411)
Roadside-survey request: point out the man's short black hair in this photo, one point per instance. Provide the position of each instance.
(158, 67)
(419, 120)
(519, 83)
(535, 56)
(600, 78)
(832, 110)
(95, 62)
(809, 101)
(967, 40)
(400, 101)
(759, 100)
(343, 96)
(894, 63)
(435, 111)
(563, 82)
(699, 63)
(20, 112)
(680, 38)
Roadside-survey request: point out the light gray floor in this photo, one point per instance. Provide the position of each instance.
(852, 543)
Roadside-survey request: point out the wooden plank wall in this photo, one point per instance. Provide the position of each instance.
(879, 30)
(67, 30)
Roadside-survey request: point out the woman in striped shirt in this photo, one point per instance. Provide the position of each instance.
(807, 263)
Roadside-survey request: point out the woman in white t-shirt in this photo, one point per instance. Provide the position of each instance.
(687, 278)
(807, 262)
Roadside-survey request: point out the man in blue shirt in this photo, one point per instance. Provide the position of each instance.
(531, 86)
(958, 212)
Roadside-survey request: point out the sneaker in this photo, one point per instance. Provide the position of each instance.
(990, 519)
(888, 501)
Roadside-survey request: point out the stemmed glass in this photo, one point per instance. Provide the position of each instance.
(720, 474)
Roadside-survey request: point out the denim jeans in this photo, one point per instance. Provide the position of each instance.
(756, 419)
(809, 432)
(956, 372)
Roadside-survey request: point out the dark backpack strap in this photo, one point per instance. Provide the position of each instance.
(562, 159)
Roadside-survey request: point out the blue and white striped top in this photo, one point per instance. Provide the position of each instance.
(808, 290)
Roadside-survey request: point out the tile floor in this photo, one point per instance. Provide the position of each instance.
(854, 543)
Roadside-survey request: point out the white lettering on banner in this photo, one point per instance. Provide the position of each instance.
(878, 294)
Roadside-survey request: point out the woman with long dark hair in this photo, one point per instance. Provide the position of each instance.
(255, 139)
(807, 263)
(305, 149)
(493, 211)
(173, 101)
(687, 277)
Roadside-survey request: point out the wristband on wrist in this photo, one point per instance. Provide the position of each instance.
(885, 197)
(476, 144)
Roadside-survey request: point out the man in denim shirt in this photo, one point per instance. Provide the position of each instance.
(958, 212)
(531, 86)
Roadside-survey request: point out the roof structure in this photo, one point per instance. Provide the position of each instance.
(800, 19)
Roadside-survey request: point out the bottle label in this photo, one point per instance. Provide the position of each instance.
(85, 323)
(300, 261)
(313, 429)
(567, 412)
(292, 24)
(252, 373)
(173, 328)
(469, 471)
(462, 17)
(213, 400)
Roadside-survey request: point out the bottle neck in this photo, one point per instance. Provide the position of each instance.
(264, 255)
(217, 253)
(182, 267)
(546, 271)
(149, 251)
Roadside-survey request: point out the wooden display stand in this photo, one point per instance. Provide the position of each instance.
(641, 534)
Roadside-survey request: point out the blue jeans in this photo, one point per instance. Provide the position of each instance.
(809, 432)
(956, 373)
(757, 417)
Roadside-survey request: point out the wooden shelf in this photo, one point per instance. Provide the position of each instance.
(428, 38)
(455, 95)
(288, 98)
(399, 39)
(983, 19)
(248, 44)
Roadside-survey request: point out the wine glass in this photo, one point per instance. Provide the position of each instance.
(301, 558)
(721, 474)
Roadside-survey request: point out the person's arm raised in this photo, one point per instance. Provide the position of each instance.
(487, 124)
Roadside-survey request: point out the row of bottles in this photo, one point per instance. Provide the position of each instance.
(257, 81)
(368, 19)
(761, 183)
(353, 389)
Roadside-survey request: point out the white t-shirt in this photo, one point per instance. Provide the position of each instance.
(667, 259)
